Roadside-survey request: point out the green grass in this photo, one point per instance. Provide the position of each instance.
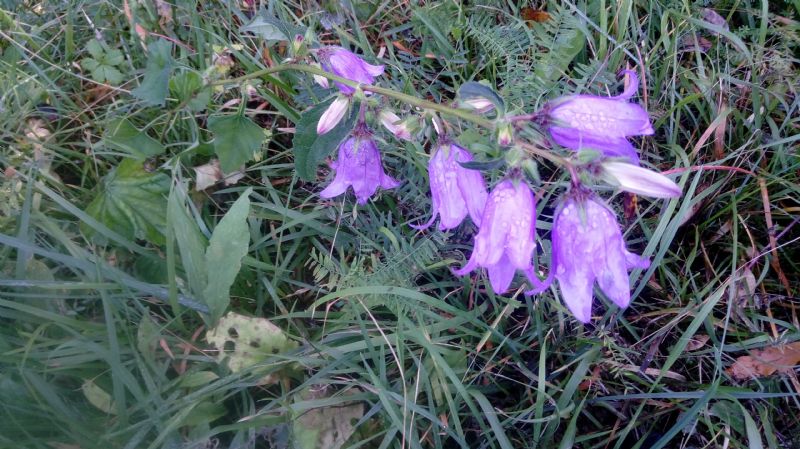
(102, 338)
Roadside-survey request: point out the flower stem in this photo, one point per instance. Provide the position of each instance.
(414, 101)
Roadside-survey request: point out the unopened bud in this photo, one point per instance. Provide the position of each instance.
(299, 45)
(333, 115)
(479, 104)
(321, 80)
(392, 122)
(642, 181)
(505, 135)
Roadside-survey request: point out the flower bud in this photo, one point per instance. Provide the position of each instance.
(299, 45)
(321, 80)
(479, 104)
(640, 180)
(505, 135)
(333, 115)
(392, 122)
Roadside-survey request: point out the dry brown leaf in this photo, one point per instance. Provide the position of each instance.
(534, 15)
(210, 174)
(765, 362)
(697, 342)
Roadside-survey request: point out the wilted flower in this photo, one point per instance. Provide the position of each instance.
(588, 247)
(359, 165)
(392, 122)
(347, 64)
(507, 236)
(333, 115)
(456, 191)
(601, 123)
(642, 181)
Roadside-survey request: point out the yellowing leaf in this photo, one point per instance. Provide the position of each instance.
(98, 397)
(246, 341)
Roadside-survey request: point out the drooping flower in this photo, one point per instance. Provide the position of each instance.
(455, 191)
(507, 236)
(587, 247)
(333, 115)
(642, 181)
(600, 123)
(359, 165)
(347, 64)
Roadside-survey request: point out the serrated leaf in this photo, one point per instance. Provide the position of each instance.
(95, 48)
(236, 139)
(309, 148)
(132, 202)
(188, 89)
(228, 245)
(243, 342)
(155, 85)
(473, 90)
(123, 136)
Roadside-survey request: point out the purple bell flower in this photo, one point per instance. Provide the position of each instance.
(601, 123)
(359, 165)
(588, 247)
(347, 64)
(507, 236)
(456, 191)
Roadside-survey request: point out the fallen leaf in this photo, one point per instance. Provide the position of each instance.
(765, 362)
(210, 174)
(697, 342)
(534, 15)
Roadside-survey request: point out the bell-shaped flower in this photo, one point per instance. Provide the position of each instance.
(600, 123)
(347, 64)
(359, 165)
(333, 115)
(587, 246)
(642, 181)
(455, 191)
(507, 236)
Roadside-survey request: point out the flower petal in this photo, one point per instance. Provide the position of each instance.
(602, 116)
(501, 274)
(576, 291)
(470, 183)
(640, 180)
(521, 239)
(444, 188)
(609, 146)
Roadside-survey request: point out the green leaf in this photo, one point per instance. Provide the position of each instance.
(311, 149)
(95, 48)
(188, 89)
(328, 427)
(271, 28)
(228, 245)
(155, 85)
(244, 342)
(132, 202)
(236, 139)
(191, 243)
(123, 136)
